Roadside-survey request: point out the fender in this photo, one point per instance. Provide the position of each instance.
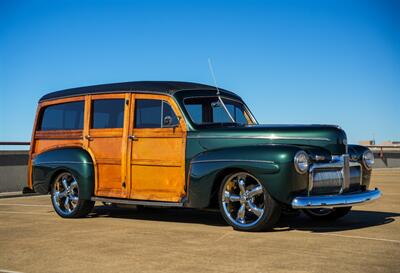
(271, 164)
(47, 165)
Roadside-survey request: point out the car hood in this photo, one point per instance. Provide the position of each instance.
(329, 137)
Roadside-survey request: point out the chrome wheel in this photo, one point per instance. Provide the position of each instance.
(65, 194)
(243, 199)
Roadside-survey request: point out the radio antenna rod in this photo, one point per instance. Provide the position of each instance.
(218, 94)
(210, 66)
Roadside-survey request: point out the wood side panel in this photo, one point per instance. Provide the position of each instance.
(157, 160)
(109, 148)
(158, 183)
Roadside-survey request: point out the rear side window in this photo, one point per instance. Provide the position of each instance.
(65, 116)
(107, 114)
(154, 114)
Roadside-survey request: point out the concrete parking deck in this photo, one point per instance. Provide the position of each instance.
(34, 239)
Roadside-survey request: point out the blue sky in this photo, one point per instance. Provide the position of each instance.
(334, 62)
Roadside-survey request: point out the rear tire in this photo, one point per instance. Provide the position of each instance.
(246, 205)
(65, 197)
(327, 214)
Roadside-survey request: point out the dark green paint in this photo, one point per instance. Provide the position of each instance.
(266, 152)
(47, 165)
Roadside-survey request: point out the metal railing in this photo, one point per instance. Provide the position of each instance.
(6, 143)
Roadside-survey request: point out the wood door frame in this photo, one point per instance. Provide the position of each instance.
(182, 128)
(105, 133)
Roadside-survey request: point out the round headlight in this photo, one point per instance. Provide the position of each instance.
(301, 162)
(368, 159)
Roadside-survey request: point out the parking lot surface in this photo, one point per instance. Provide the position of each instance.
(34, 239)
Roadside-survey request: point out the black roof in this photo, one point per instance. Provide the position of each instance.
(168, 87)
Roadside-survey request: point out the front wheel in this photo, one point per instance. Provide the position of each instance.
(65, 197)
(246, 205)
(327, 214)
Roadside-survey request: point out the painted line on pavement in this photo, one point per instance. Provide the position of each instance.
(17, 212)
(351, 236)
(8, 271)
(25, 205)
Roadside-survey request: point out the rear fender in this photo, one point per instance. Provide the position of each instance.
(47, 165)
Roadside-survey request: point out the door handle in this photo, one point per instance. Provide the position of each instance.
(133, 138)
(88, 137)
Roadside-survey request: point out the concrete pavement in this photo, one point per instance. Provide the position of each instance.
(34, 239)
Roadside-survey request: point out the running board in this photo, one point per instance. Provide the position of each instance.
(136, 202)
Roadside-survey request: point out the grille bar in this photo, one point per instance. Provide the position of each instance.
(335, 177)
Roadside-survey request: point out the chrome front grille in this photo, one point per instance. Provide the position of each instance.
(334, 177)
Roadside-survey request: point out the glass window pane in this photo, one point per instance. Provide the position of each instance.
(239, 116)
(148, 113)
(171, 119)
(107, 113)
(219, 114)
(65, 116)
(195, 112)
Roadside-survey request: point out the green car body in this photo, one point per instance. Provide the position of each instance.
(267, 152)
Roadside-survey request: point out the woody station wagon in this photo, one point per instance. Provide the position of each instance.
(179, 144)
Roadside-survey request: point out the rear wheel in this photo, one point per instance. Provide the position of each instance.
(65, 197)
(246, 205)
(327, 214)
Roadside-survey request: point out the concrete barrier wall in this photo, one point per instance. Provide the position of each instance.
(13, 170)
(387, 159)
(13, 167)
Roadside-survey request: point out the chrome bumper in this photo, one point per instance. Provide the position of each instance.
(330, 201)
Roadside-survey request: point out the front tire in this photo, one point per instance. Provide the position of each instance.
(246, 205)
(327, 214)
(65, 197)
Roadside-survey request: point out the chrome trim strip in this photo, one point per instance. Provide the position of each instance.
(261, 137)
(60, 162)
(334, 201)
(137, 202)
(232, 160)
(345, 173)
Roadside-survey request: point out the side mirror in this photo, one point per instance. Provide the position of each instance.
(168, 121)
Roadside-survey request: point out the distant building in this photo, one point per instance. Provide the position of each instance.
(390, 143)
(366, 142)
(384, 143)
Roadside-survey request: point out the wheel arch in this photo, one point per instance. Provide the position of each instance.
(47, 165)
(219, 178)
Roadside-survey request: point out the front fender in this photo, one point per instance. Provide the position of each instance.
(47, 165)
(271, 164)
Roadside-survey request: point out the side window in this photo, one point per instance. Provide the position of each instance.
(169, 117)
(148, 114)
(154, 114)
(196, 112)
(65, 116)
(107, 113)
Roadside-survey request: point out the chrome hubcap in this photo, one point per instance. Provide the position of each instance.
(243, 199)
(65, 193)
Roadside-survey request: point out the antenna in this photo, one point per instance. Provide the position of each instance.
(218, 94)
(210, 66)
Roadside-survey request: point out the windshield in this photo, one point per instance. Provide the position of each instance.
(209, 110)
